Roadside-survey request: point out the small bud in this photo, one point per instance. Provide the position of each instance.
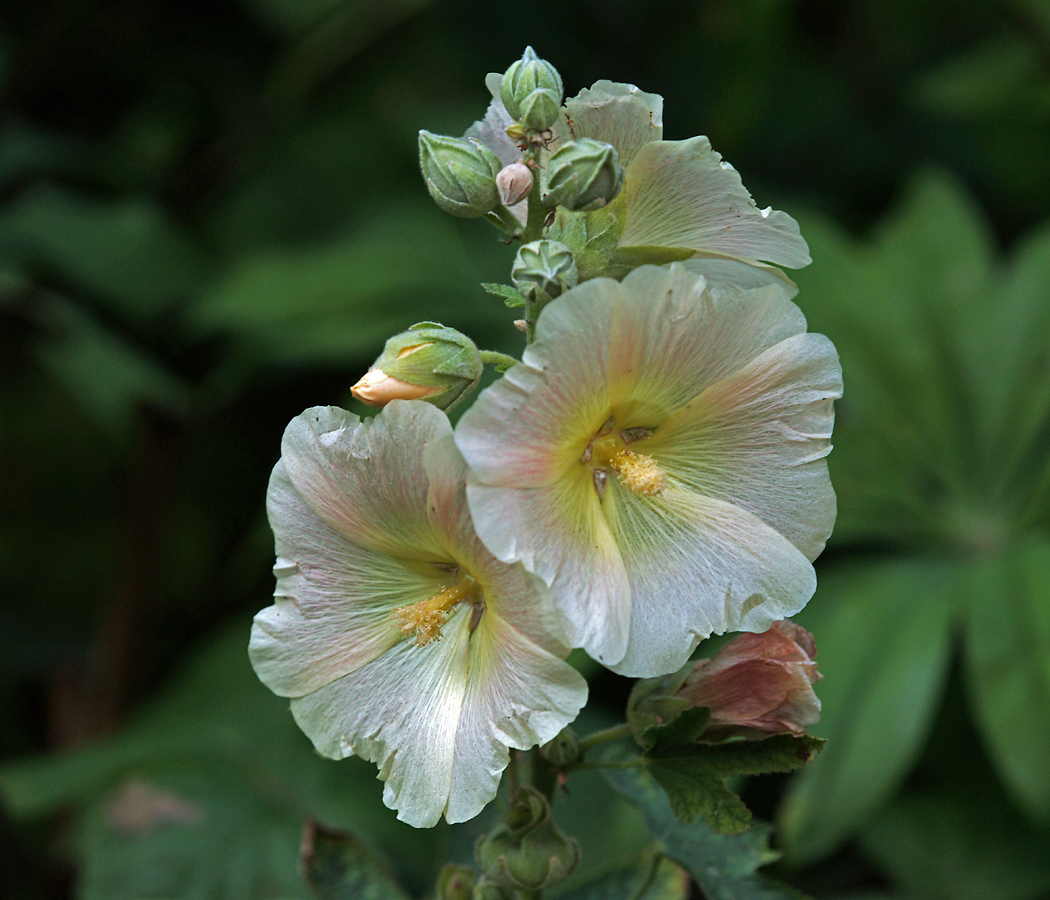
(428, 362)
(456, 883)
(584, 174)
(563, 749)
(524, 77)
(488, 889)
(514, 183)
(545, 266)
(460, 174)
(758, 684)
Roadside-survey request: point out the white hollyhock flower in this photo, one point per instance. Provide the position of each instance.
(658, 459)
(396, 634)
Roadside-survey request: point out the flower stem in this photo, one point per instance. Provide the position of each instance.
(604, 736)
(497, 359)
(650, 877)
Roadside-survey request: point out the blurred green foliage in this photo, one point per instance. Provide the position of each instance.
(211, 219)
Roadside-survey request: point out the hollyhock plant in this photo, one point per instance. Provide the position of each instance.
(658, 459)
(680, 200)
(758, 684)
(396, 635)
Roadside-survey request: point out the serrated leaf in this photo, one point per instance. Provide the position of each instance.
(724, 866)
(512, 297)
(337, 866)
(669, 882)
(884, 637)
(692, 775)
(1008, 667)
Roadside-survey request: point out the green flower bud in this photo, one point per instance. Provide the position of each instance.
(584, 174)
(544, 266)
(460, 174)
(487, 889)
(428, 362)
(563, 749)
(522, 79)
(456, 883)
(527, 852)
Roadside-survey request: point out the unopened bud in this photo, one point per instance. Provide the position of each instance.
(758, 684)
(584, 174)
(546, 266)
(428, 362)
(456, 883)
(514, 183)
(563, 749)
(487, 889)
(524, 77)
(460, 174)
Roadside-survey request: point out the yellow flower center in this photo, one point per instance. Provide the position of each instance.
(609, 452)
(422, 621)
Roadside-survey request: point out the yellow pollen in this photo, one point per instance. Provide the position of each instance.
(639, 473)
(423, 620)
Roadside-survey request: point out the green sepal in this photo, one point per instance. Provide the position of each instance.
(511, 296)
(652, 703)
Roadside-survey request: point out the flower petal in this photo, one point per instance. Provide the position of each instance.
(619, 114)
(492, 130)
(559, 534)
(517, 696)
(759, 437)
(334, 599)
(681, 194)
(699, 566)
(723, 271)
(402, 712)
(671, 336)
(357, 476)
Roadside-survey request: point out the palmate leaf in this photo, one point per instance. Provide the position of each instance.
(724, 866)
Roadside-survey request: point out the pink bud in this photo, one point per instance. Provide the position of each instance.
(514, 183)
(376, 388)
(758, 684)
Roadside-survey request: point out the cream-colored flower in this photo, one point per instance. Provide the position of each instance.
(396, 635)
(658, 459)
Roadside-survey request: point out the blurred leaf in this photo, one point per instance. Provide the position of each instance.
(1008, 656)
(337, 866)
(26, 149)
(292, 16)
(965, 843)
(106, 374)
(884, 643)
(126, 253)
(222, 743)
(326, 304)
(669, 882)
(724, 866)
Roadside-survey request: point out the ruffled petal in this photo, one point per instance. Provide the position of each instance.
(492, 130)
(559, 534)
(401, 711)
(334, 599)
(722, 272)
(759, 437)
(619, 114)
(517, 696)
(681, 194)
(357, 476)
(699, 566)
(671, 336)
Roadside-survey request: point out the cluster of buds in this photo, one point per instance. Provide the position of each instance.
(532, 92)
(428, 362)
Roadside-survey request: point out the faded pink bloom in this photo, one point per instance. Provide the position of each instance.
(758, 684)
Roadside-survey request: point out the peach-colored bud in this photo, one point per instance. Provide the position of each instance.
(376, 388)
(514, 183)
(758, 684)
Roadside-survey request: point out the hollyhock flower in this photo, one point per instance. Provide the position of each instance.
(396, 635)
(758, 684)
(658, 459)
(680, 200)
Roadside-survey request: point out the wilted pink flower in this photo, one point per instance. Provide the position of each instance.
(759, 683)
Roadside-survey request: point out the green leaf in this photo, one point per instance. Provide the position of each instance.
(962, 843)
(669, 881)
(127, 254)
(683, 729)
(1008, 667)
(512, 297)
(223, 745)
(652, 702)
(884, 645)
(724, 866)
(692, 775)
(337, 866)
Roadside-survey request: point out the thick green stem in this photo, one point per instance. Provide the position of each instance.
(615, 733)
(495, 358)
